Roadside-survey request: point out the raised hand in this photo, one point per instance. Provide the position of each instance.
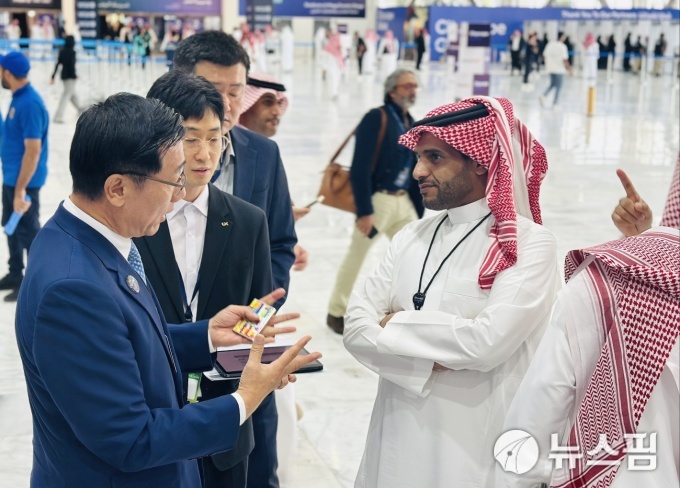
(258, 380)
(632, 215)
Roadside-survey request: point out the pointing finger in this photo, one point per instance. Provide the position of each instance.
(631, 192)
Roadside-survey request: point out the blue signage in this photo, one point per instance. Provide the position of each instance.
(259, 14)
(314, 8)
(87, 19)
(479, 35)
(504, 20)
(185, 7)
(391, 19)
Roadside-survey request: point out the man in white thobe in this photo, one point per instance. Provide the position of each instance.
(449, 371)
(559, 376)
(614, 366)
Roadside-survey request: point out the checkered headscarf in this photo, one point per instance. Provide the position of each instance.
(671, 214)
(516, 165)
(252, 93)
(636, 282)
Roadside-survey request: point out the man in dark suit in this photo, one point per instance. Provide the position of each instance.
(212, 250)
(251, 169)
(102, 366)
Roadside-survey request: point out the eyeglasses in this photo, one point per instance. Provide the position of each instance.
(215, 144)
(409, 86)
(180, 184)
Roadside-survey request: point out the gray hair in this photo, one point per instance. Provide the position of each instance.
(391, 81)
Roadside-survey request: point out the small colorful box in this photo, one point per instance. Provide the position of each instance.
(248, 329)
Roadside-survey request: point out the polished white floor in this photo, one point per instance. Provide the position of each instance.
(636, 128)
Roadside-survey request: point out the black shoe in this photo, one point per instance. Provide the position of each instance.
(337, 324)
(12, 297)
(11, 282)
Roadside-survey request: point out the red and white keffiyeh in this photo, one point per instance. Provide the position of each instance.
(637, 284)
(252, 94)
(334, 48)
(516, 164)
(389, 41)
(671, 213)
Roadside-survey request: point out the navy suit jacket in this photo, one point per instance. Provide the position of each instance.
(102, 369)
(259, 178)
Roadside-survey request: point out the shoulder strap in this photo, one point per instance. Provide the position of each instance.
(342, 146)
(381, 138)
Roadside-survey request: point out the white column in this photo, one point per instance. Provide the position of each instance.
(230, 17)
(68, 10)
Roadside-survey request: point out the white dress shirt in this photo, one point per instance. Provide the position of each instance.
(225, 181)
(124, 244)
(437, 429)
(187, 222)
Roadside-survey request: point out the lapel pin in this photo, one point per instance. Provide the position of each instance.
(132, 283)
(225, 224)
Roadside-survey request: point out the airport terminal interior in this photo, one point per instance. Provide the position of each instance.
(634, 125)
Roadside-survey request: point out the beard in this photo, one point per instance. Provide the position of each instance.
(451, 193)
(406, 102)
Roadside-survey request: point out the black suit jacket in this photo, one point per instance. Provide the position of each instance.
(235, 268)
(260, 179)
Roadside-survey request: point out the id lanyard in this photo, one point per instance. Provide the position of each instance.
(194, 378)
(419, 297)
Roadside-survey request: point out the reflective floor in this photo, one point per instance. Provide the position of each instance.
(635, 127)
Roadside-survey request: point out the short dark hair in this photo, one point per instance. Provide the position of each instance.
(213, 46)
(124, 133)
(188, 95)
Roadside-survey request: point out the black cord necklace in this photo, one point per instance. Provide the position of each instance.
(419, 298)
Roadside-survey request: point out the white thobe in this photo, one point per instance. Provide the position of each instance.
(369, 57)
(590, 56)
(388, 60)
(437, 429)
(545, 403)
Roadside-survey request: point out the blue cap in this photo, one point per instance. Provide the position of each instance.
(16, 63)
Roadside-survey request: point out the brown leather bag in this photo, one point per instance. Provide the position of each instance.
(336, 187)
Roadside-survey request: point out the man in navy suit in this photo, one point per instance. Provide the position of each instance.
(251, 169)
(102, 366)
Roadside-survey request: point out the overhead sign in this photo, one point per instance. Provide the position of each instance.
(315, 8)
(504, 20)
(44, 4)
(87, 19)
(259, 14)
(186, 7)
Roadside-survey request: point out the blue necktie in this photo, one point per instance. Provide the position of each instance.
(135, 261)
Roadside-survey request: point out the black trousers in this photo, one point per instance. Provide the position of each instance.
(28, 227)
(263, 461)
(516, 61)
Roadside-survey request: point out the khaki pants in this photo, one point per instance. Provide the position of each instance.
(658, 67)
(391, 213)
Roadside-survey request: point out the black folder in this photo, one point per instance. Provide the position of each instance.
(230, 364)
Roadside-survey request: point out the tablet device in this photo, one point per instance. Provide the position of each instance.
(230, 364)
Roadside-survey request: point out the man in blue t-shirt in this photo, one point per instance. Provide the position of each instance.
(24, 163)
